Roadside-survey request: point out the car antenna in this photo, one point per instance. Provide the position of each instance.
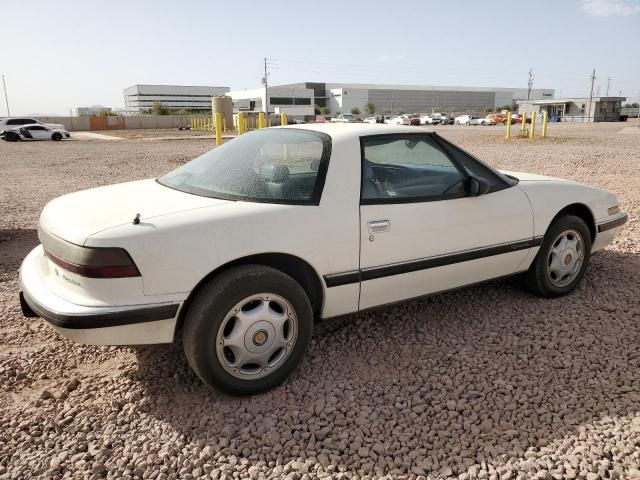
(136, 219)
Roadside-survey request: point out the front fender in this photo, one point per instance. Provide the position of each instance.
(549, 197)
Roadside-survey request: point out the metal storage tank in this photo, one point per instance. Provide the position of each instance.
(224, 105)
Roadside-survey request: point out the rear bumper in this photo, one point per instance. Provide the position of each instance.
(103, 325)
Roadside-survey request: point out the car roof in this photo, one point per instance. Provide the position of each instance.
(351, 130)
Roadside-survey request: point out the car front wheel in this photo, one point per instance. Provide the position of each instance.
(56, 137)
(247, 329)
(562, 259)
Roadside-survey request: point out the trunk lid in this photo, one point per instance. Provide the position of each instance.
(76, 216)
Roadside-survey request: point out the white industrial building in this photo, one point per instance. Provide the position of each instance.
(577, 109)
(295, 100)
(92, 110)
(140, 98)
(306, 99)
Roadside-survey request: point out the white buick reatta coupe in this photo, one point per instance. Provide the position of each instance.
(243, 248)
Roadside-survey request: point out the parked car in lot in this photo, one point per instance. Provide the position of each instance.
(10, 123)
(462, 120)
(240, 250)
(429, 120)
(34, 132)
(481, 121)
(398, 120)
(414, 120)
(498, 118)
(372, 119)
(517, 118)
(344, 118)
(446, 119)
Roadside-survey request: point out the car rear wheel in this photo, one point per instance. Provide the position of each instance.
(56, 136)
(468, 123)
(247, 329)
(562, 259)
(11, 136)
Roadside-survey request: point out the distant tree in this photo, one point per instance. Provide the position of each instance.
(325, 111)
(108, 113)
(514, 106)
(631, 105)
(159, 109)
(488, 109)
(504, 107)
(370, 108)
(355, 111)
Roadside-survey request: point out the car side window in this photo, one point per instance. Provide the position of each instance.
(408, 168)
(37, 127)
(15, 121)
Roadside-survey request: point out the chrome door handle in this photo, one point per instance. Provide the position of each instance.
(379, 226)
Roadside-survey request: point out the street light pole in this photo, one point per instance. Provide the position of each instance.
(6, 99)
(266, 90)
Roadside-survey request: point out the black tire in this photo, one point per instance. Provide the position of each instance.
(56, 137)
(537, 279)
(11, 137)
(468, 123)
(211, 305)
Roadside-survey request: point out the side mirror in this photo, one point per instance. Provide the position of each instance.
(478, 186)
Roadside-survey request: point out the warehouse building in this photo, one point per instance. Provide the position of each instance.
(140, 98)
(296, 100)
(341, 97)
(577, 109)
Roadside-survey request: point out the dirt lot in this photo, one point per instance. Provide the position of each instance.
(487, 382)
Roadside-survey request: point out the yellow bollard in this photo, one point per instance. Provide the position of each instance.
(219, 126)
(523, 127)
(240, 123)
(508, 125)
(269, 121)
(224, 124)
(191, 124)
(261, 120)
(532, 132)
(283, 119)
(545, 119)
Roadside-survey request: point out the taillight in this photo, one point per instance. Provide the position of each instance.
(92, 262)
(101, 267)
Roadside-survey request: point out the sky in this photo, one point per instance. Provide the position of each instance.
(65, 54)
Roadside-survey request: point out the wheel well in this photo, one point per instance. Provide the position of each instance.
(295, 267)
(582, 211)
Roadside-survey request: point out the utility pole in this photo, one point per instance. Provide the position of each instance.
(265, 107)
(6, 99)
(608, 85)
(530, 83)
(593, 79)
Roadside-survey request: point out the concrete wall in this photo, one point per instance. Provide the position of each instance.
(78, 124)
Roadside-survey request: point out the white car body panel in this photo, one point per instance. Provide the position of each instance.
(182, 238)
(431, 229)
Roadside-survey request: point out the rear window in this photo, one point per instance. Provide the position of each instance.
(279, 165)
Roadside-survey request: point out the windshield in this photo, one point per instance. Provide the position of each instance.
(279, 165)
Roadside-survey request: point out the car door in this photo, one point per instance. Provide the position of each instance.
(39, 132)
(422, 232)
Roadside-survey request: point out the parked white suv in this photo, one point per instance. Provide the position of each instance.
(10, 123)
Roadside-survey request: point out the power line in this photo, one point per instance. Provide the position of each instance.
(608, 85)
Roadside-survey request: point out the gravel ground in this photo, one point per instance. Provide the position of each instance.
(487, 382)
